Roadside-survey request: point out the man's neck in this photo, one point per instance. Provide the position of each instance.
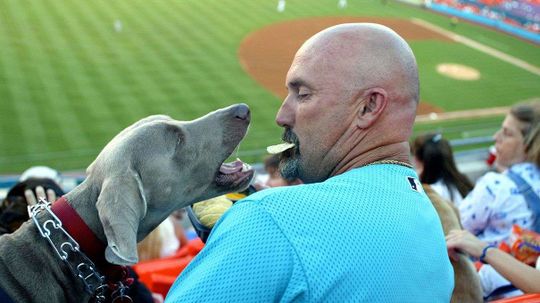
(396, 152)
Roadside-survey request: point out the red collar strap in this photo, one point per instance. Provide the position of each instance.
(88, 241)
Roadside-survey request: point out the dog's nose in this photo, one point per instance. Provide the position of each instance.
(241, 112)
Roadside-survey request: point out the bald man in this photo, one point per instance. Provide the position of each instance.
(360, 229)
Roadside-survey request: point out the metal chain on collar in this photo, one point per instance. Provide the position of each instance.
(78, 263)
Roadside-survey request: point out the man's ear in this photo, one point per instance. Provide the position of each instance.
(372, 107)
(121, 207)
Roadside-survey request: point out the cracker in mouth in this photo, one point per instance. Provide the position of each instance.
(279, 148)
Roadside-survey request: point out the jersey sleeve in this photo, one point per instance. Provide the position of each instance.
(247, 258)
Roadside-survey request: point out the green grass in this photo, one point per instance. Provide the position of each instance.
(69, 82)
(484, 127)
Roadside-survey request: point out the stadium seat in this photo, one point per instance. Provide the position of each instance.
(162, 283)
(528, 298)
(159, 274)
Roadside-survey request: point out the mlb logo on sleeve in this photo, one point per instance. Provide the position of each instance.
(415, 184)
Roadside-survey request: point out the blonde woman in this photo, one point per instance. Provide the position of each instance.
(496, 202)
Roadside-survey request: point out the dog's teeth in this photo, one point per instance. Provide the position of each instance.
(246, 167)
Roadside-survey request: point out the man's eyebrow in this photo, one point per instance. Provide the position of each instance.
(297, 83)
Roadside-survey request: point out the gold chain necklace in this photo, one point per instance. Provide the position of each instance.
(396, 162)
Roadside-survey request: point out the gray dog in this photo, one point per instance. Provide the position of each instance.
(150, 169)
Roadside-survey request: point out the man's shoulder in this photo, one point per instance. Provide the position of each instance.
(282, 193)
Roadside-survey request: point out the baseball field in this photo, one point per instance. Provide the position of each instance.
(74, 73)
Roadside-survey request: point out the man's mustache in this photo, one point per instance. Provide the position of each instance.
(290, 136)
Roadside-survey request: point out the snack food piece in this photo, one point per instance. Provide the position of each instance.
(524, 245)
(209, 211)
(279, 148)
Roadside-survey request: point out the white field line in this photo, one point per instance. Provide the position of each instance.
(484, 112)
(480, 47)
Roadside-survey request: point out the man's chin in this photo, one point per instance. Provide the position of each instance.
(288, 168)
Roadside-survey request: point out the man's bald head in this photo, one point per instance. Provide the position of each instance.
(353, 92)
(373, 55)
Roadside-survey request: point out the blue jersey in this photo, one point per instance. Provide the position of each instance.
(367, 235)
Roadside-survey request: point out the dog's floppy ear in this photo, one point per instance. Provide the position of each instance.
(121, 206)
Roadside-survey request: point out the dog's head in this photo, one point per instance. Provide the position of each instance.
(158, 165)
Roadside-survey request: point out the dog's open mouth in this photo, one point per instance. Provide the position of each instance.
(234, 175)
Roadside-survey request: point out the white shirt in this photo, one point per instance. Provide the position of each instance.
(451, 194)
(170, 242)
(494, 205)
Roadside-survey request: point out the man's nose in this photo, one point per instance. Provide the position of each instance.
(285, 114)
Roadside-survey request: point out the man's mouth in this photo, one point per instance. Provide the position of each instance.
(234, 174)
(289, 153)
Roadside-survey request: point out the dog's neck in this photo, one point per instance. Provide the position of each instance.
(93, 247)
(90, 246)
(83, 200)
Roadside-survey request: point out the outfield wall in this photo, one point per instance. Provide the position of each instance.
(498, 24)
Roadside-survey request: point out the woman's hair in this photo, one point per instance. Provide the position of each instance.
(532, 144)
(436, 155)
(150, 247)
(528, 113)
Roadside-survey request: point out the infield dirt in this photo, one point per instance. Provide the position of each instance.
(266, 54)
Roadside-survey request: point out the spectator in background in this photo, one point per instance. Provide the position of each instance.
(36, 181)
(163, 241)
(14, 208)
(434, 163)
(42, 172)
(532, 145)
(275, 179)
(524, 277)
(160, 243)
(496, 201)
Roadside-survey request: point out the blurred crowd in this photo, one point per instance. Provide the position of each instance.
(496, 209)
(524, 13)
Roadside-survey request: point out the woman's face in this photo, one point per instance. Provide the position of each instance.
(509, 143)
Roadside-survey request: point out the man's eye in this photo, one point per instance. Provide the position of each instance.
(303, 94)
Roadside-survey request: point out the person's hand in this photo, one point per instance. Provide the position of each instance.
(33, 197)
(463, 241)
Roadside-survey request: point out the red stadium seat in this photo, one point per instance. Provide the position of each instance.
(162, 283)
(159, 274)
(528, 298)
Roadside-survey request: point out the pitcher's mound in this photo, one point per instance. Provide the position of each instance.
(458, 71)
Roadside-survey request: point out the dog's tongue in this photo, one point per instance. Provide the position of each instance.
(231, 168)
